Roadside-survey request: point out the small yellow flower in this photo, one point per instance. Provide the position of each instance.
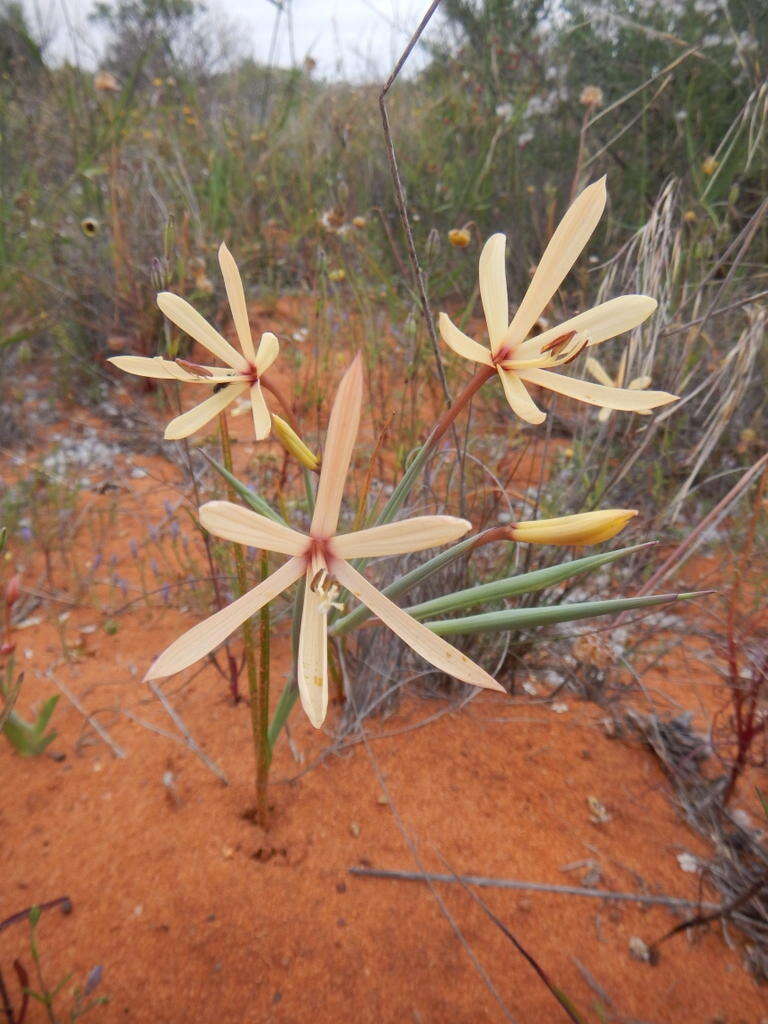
(90, 226)
(459, 237)
(584, 528)
(157, 82)
(689, 217)
(709, 165)
(359, 222)
(338, 274)
(591, 96)
(105, 81)
(294, 444)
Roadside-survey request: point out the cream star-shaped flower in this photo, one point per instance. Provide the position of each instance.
(599, 372)
(521, 360)
(321, 556)
(242, 373)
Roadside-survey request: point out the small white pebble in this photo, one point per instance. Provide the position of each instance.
(688, 863)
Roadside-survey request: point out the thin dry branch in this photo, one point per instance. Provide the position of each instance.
(483, 882)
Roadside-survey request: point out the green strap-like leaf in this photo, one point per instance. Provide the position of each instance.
(404, 584)
(522, 584)
(257, 503)
(521, 618)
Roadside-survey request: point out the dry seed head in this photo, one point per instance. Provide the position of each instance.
(591, 96)
(105, 81)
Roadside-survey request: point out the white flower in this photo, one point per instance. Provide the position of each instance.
(322, 558)
(520, 360)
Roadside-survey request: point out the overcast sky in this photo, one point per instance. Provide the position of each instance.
(350, 38)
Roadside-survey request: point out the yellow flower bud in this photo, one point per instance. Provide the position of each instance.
(709, 165)
(338, 274)
(293, 444)
(584, 528)
(459, 237)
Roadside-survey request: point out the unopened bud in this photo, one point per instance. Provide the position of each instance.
(584, 528)
(293, 443)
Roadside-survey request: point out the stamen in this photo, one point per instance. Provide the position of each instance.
(323, 585)
(199, 371)
(558, 343)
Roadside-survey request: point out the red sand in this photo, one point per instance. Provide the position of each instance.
(196, 915)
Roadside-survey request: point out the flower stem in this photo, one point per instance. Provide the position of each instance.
(258, 684)
(400, 493)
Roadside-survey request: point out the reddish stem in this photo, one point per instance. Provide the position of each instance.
(438, 431)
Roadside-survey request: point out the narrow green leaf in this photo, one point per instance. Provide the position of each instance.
(522, 584)
(257, 503)
(404, 584)
(521, 618)
(45, 713)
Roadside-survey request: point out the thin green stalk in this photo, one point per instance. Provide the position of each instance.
(264, 753)
(291, 689)
(309, 489)
(401, 492)
(255, 695)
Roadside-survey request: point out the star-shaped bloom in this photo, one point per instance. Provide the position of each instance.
(243, 370)
(521, 360)
(599, 372)
(322, 558)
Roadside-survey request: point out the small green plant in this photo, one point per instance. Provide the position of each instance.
(82, 995)
(27, 738)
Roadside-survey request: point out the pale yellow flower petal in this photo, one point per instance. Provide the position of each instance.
(597, 394)
(493, 288)
(423, 641)
(208, 634)
(233, 522)
(461, 343)
(336, 456)
(640, 383)
(570, 237)
(398, 538)
(236, 295)
(262, 421)
(520, 401)
(267, 352)
(605, 321)
(313, 656)
(187, 319)
(199, 415)
(582, 528)
(598, 371)
(155, 366)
